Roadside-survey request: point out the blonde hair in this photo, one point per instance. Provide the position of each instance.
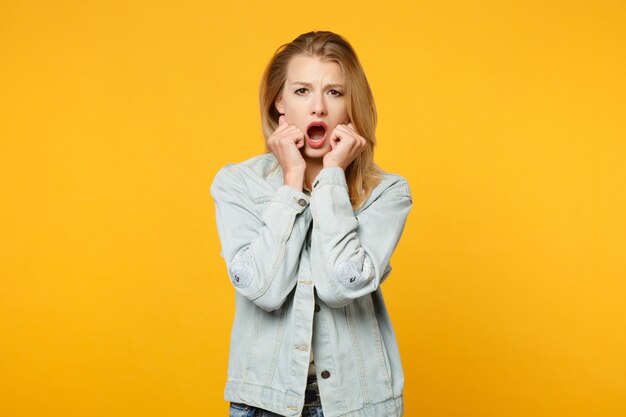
(362, 175)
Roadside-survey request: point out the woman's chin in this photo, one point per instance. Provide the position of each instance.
(312, 153)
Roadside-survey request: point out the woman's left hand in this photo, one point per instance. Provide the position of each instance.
(346, 144)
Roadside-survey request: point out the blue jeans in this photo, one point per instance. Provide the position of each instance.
(312, 404)
(242, 410)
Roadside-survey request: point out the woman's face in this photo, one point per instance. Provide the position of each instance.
(313, 92)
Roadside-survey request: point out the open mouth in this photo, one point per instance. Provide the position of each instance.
(316, 134)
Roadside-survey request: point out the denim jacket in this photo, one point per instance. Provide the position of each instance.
(307, 270)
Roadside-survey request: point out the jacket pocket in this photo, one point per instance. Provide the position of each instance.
(263, 355)
(383, 359)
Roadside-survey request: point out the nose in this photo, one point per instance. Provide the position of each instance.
(318, 105)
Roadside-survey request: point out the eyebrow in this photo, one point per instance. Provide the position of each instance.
(311, 85)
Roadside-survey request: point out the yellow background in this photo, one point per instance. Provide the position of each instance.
(508, 294)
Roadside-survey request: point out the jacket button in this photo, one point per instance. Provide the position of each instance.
(325, 374)
(317, 308)
(302, 202)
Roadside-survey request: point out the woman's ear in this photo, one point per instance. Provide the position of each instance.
(278, 103)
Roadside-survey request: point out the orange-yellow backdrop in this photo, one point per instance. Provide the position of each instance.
(508, 293)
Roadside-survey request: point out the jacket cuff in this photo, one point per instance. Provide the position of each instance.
(330, 176)
(292, 198)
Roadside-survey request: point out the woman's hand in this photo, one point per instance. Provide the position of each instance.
(346, 145)
(285, 144)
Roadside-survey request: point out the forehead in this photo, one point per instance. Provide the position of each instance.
(312, 69)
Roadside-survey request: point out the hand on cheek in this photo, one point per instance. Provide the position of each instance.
(285, 144)
(346, 144)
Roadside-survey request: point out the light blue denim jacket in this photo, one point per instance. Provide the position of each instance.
(307, 270)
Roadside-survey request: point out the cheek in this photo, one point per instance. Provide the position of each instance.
(342, 111)
(293, 107)
(297, 115)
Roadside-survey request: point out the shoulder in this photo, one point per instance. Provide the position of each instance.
(260, 165)
(255, 172)
(390, 186)
(394, 183)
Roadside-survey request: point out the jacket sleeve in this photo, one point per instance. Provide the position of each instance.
(350, 254)
(261, 250)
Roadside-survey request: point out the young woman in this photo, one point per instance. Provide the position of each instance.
(307, 230)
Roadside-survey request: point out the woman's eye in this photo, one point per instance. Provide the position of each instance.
(335, 91)
(300, 90)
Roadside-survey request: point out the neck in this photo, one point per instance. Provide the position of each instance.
(313, 168)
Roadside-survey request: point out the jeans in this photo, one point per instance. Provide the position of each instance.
(312, 404)
(242, 410)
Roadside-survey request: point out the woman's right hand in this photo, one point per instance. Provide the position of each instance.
(285, 144)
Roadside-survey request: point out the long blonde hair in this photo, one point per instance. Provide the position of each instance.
(362, 175)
